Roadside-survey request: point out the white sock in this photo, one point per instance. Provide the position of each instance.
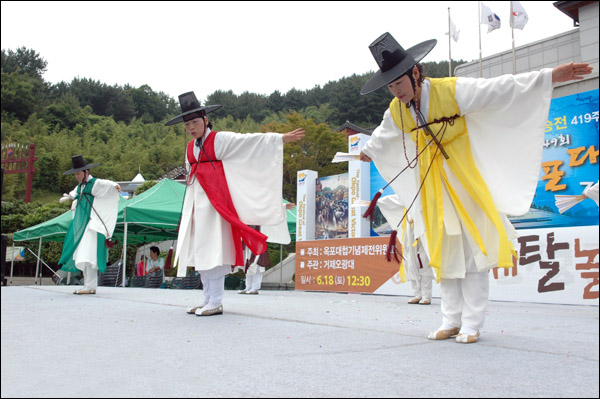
(467, 330)
(445, 327)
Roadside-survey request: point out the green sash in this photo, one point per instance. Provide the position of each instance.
(77, 229)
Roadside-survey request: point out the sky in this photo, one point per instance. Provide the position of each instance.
(259, 47)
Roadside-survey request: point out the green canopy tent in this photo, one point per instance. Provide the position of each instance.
(54, 229)
(151, 216)
(291, 216)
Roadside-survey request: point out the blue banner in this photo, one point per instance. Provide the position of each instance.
(569, 165)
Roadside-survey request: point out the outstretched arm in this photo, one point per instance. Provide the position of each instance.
(294, 135)
(570, 71)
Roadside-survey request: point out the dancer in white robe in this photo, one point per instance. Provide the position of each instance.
(416, 259)
(235, 180)
(278, 234)
(487, 165)
(94, 218)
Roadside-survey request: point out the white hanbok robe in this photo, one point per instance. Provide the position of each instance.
(505, 118)
(253, 165)
(102, 220)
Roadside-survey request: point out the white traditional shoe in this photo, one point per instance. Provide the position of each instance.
(84, 291)
(209, 312)
(425, 302)
(415, 300)
(467, 339)
(252, 292)
(443, 334)
(193, 309)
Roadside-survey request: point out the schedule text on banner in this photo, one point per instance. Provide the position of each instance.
(343, 265)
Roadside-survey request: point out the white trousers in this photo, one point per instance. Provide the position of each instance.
(253, 281)
(423, 285)
(90, 275)
(213, 284)
(465, 300)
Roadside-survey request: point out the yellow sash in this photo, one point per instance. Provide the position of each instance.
(456, 143)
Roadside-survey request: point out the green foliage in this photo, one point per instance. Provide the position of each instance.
(314, 152)
(18, 215)
(19, 95)
(145, 187)
(24, 61)
(123, 128)
(277, 252)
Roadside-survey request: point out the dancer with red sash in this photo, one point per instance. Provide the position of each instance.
(234, 180)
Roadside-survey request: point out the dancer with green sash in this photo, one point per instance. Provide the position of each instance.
(94, 207)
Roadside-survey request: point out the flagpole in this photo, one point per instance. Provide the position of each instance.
(479, 18)
(449, 46)
(512, 28)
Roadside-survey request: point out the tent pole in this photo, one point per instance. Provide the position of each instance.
(37, 264)
(12, 263)
(124, 246)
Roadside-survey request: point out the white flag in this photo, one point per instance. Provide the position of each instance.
(519, 17)
(453, 31)
(489, 18)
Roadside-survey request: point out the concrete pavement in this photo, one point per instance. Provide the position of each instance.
(137, 342)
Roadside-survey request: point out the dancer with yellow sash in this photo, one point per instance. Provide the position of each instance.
(471, 153)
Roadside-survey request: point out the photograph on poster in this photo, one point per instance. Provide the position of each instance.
(331, 207)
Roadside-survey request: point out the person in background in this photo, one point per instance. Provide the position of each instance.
(256, 265)
(141, 266)
(156, 264)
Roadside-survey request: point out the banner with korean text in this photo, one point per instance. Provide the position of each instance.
(555, 266)
(569, 165)
(343, 265)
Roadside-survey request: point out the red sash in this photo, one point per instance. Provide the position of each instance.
(211, 176)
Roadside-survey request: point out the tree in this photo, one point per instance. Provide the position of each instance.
(24, 61)
(314, 152)
(19, 95)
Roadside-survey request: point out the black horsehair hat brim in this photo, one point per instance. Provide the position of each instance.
(179, 118)
(380, 79)
(85, 167)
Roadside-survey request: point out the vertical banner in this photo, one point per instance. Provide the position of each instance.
(359, 177)
(305, 200)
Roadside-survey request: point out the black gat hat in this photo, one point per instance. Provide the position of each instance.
(393, 60)
(79, 165)
(190, 105)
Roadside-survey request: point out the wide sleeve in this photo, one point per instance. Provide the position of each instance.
(103, 217)
(506, 117)
(280, 233)
(253, 165)
(386, 149)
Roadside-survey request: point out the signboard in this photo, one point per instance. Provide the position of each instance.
(359, 176)
(305, 200)
(343, 265)
(555, 266)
